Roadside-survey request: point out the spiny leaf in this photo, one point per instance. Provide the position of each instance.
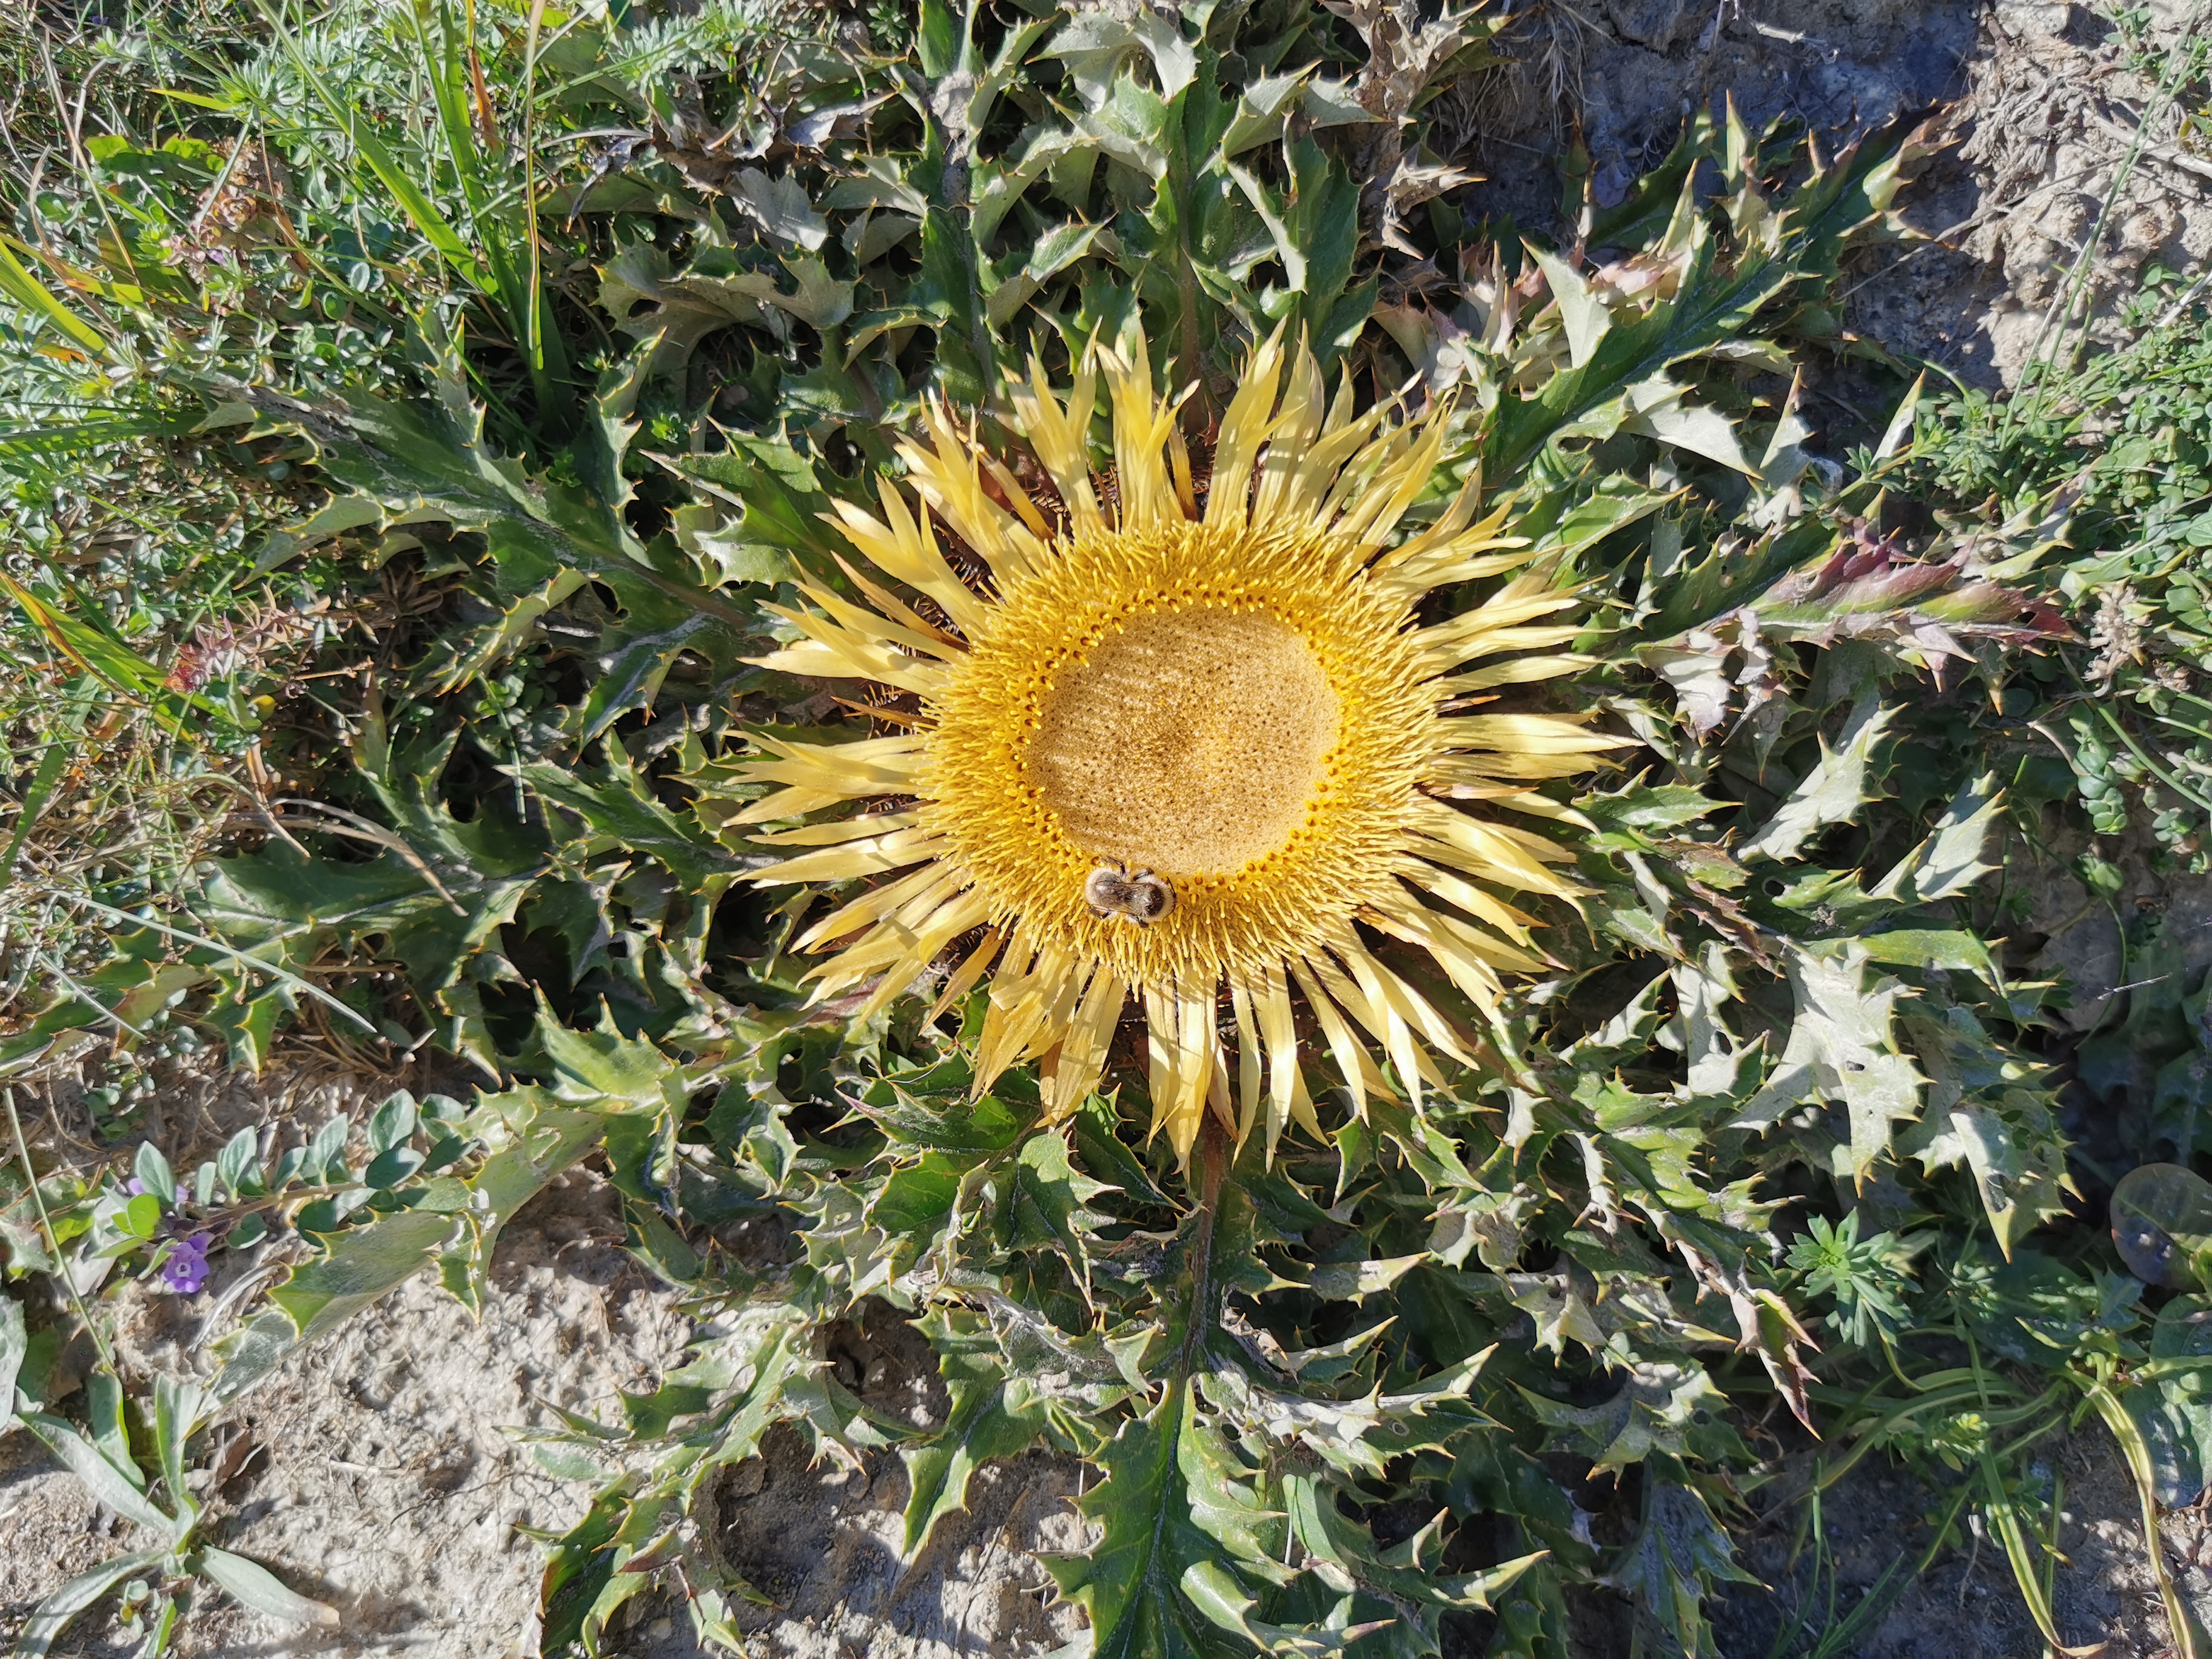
(1831, 794)
(1654, 1411)
(1174, 1496)
(1985, 1110)
(363, 1265)
(1672, 1567)
(1949, 862)
(1041, 1204)
(1840, 1048)
(992, 1416)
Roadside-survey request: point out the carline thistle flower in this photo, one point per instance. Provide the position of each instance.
(1226, 690)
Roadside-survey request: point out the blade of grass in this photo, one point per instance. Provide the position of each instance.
(2004, 1515)
(2180, 1623)
(432, 225)
(28, 292)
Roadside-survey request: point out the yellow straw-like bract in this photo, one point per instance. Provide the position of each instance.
(1235, 696)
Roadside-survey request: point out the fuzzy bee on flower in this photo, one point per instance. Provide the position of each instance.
(1220, 707)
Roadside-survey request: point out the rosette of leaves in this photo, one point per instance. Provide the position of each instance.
(1578, 1260)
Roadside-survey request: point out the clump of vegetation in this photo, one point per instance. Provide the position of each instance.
(521, 411)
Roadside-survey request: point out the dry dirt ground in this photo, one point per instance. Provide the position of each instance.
(374, 1472)
(1966, 1605)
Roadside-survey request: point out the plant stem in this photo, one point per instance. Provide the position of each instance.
(39, 1199)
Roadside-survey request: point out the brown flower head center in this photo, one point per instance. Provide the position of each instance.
(1188, 741)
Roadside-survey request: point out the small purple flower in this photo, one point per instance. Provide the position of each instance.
(135, 1186)
(185, 1270)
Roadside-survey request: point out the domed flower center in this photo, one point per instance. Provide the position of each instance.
(1190, 741)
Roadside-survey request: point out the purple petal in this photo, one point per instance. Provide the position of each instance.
(185, 1270)
(135, 1186)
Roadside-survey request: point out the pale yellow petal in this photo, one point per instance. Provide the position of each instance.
(793, 803)
(1353, 1063)
(1484, 768)
(1163, 1033)
(1017, 497)
(912, 934)
(1060, 437)
(1090, 1035)
(858, 913)
(1457, 638)
(1312, 490)
(1371, 515)
(947, 475)
(1291, 436)
(1497, 641)
(1402, 567)
(1250, 1074)
(902, 547)
(892, 851)
(1530, 734)
(1520, 671)
(1245, 430)
(889, 605)
(1197, 1065)
(843, 829)
(1146, 495)
(1287, 1088)
(963, 979)
(871, 766)
(1484, 849)
(1468, 957)
(869, 624)
(840, 655)
(1487, 907)
(964, 911)
(1029, 1006)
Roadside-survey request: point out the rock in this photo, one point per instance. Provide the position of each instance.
(1658, 25)
(2031, 20)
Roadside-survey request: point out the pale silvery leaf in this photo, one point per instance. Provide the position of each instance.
(1355, 1281)
(1094, 43)
(1215, 1592)
(781, 208)
(1840, 1048)
(1696, 670)
(1667, 1568)
(13, 1345)
(1656, 409)
(101, 1477)
(821, 300)
(1332, 104)
(1337, 1430)
(1262, 112)
(1901, 424)
(1831, 794)
(263, 1591)
(1654, 1411)
(1949, 862)
(1582, 313)
(53, 1616)
(1701, 989)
